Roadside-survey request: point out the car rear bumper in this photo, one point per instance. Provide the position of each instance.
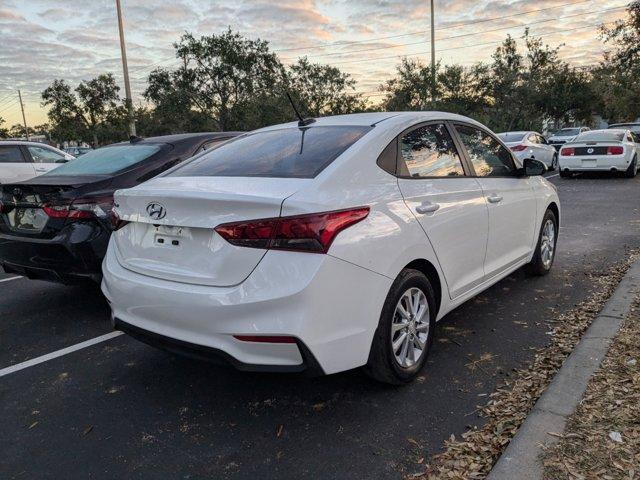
(330, 307)
(75, 254)
(595, 163)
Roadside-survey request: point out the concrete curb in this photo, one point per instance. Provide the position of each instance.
(521, 459)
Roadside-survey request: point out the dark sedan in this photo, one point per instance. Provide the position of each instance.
(57, 226)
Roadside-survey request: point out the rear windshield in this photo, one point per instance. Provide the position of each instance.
(106, 160)
(284, 153)
(511, 136)
(600, 136)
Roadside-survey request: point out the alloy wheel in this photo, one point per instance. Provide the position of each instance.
(548, 243)
(410, 327)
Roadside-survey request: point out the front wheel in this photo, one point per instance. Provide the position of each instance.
(545, 253)
(405, 331)
(632, 171)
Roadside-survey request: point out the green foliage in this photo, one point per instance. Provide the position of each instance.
(4, 132)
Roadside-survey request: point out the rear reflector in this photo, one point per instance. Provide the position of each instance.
(615, 151)
(518, 148)
(312, 233)
(568, 151)
(265, 338)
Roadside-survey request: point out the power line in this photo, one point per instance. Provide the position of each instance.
(464, 34)
(14, 104)
(421, 32)
(461, 46)
(370, 40)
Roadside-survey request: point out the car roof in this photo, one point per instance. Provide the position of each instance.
(627, 124)
(374, 118)
(519, 132)
(179, 138)
(24, 142)
(609, 130)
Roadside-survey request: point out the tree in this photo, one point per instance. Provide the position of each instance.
(323, 90)
(225, 73)
(4, 132)
(94, 113)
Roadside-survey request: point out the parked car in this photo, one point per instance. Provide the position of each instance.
(329, 245)
(633, 126)
(77, 151)
(57, 226)
(21, 160)
(565, 135)
(531, 145)
(603, 151)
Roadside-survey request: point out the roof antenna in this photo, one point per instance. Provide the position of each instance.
(303, 122)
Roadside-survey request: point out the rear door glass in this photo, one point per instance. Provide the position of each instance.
(11, 154)
(283, 153)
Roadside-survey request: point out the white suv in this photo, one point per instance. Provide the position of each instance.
(327, 245)
(24, 160)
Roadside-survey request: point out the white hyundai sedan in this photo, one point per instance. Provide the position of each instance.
(326, 246)
(601, 151)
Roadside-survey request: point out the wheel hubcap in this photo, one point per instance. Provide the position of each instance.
(410, 327)
(548, 243)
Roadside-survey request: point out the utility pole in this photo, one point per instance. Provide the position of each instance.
(125, 68)
(24, 119)
(433, 57)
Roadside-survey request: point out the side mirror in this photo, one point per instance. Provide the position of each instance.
(532, 167)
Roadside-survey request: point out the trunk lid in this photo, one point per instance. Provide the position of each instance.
(22, 204)
(171, 235)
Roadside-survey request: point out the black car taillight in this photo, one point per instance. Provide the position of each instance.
(311, 233)
(100, 208)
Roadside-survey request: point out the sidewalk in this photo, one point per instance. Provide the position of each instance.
(545, 423)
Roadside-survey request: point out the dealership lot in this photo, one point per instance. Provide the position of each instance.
(123, 409)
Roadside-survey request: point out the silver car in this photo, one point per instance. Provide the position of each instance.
(531, 145)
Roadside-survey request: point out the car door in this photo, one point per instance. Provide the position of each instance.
(547, 152)
(510, 199)
(448, 203)
(45, 159)
(14, 164)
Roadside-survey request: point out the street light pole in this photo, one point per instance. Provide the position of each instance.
(125, 68)
(24, 119)
(433, 57)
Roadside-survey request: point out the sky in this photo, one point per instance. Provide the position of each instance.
(75, 40)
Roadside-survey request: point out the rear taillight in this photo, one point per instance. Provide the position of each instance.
(518, 148)
(568, 151)
(615, 150)
(312, 233)
(83, 208)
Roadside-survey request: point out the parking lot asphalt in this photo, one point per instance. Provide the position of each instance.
(123, 409)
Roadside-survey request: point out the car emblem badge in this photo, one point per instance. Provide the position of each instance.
(590, 150)
(156, 211)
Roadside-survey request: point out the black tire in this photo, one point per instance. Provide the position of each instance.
(537, 266)
(382, 364)
(554, 162)
(565, 174)
(633, 168)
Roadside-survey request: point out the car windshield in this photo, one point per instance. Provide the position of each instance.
(567, 132)
(601, 136)
(512, 136)
(106, 160)
(282, 153)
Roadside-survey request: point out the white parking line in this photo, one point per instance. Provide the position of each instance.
(9, 279)
(58, 353)
(554, 175)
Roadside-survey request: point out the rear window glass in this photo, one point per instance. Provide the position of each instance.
(511, 136)
(284, 153)
(106, 160)
(601, 136)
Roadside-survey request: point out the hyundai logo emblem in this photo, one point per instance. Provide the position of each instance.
(590, 150)
(156, 211)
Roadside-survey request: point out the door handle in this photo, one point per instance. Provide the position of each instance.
(494, 198)
(41, 169)
(427, 208)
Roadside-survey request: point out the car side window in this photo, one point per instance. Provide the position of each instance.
(429, 151)
(541, 140)
(44, 155)
(488, 156)
(533, 138)
(211, 144)
(11, 154)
